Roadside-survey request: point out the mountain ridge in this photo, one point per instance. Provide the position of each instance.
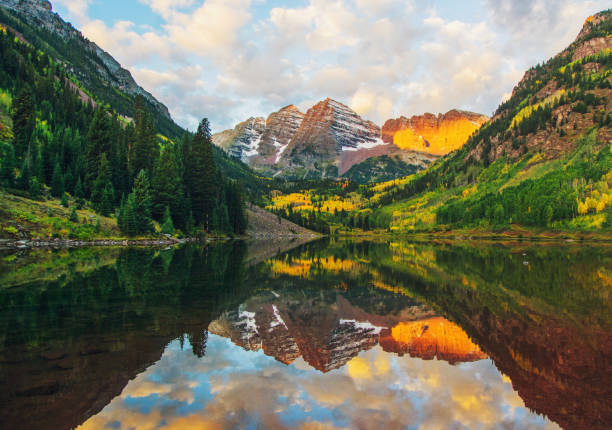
(89, 63)
(330, 139)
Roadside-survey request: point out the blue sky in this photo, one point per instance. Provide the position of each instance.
(231, 59)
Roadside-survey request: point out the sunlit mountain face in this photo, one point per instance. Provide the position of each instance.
(348, 334)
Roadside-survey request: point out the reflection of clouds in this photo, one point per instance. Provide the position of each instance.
(231, 387)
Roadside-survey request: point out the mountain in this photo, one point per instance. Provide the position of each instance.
(331, 139)
(95, 68)
(543, 161)
(437, 135)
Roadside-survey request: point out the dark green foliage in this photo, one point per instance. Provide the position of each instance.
(166, 187)
(534, 202)
(167, 226)
(135, 216)
(87, 150)
(74, 217)
(235, 207)
(35, 188)
(380, 169)
(102, 187)
(202, 176)
(24, 119)
(57, 181)
(144, 147)
(64, 201)
(78, 189)
(7, 165)
(98, 144)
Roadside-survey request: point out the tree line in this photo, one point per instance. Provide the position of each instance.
(64, 142)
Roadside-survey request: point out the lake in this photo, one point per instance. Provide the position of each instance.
(328, 334)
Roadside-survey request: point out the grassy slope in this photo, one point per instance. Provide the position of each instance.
(22, 218)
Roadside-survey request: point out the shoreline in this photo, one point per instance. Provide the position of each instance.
(12, 244)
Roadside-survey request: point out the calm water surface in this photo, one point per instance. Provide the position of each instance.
(330, 334)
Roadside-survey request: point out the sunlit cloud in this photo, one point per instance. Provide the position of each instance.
(233, 388)
(230, 60)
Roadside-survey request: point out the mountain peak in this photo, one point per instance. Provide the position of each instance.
(435, 134)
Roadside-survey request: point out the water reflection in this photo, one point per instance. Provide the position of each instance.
(330, 334)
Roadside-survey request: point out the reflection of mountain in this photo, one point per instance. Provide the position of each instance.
(327, 334)
(547, 324)
(70, 344)
(433, 337)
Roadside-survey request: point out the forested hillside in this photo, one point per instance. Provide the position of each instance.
(59, 140)
(543, 161)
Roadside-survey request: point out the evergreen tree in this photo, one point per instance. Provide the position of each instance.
(166, 185)
(57, 181)
(23, 182)
(98, 143)
(102, 186)
(138, 206)
(108, 199)
(120, 215)
(167, 226)
(235, 207)
(73, 215)
(203, 180)
(144, 150)
(68, 180)
(64, 201)
(35, 188)
(24, 120)
(7, 165)
(78, 189)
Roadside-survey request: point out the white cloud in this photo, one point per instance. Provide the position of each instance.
(231, 59)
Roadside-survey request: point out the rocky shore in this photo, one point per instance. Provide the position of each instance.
(73, 243)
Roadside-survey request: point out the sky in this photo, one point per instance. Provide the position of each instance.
(228, 60)
(234, 388)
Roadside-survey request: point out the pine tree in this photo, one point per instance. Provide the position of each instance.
(57, 181)
(203, 176)
(167, 226)
(101, 186)
(35, 188)
(98, 143)
(23, 182)
(78, 189)
(73, 215)
(144, 150)
(120, 215)
(141, 203)
(131, 219)
(24, 120)
(235, 207)
(166, 185)
(7, 165)
(64, 201)
(108, 198)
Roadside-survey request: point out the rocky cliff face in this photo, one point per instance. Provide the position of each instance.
(281, 127)
(432, 134)
(258, 141)
(243, 141)
(39, 13)
(328, 129)
(331, 138)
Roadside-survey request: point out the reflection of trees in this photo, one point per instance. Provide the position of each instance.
(69, 346)
(198, 341)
